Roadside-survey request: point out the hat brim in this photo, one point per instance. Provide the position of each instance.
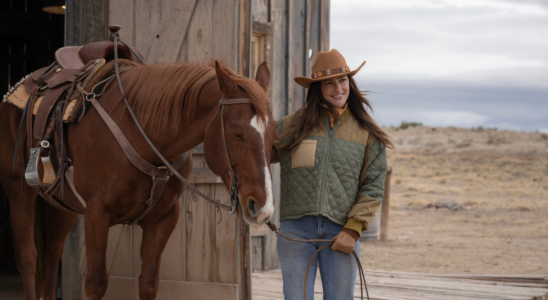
(307, 81)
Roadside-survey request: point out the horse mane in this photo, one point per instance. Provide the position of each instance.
(162, 94)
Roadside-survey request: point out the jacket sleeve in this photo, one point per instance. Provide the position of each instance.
(372, 186)
(275, 154)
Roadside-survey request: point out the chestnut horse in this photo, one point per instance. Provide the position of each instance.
(174, 103)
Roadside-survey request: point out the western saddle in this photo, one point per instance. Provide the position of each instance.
(54, 96)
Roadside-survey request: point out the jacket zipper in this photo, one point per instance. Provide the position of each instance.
(326, 162)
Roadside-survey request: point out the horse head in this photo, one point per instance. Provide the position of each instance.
(249, 130)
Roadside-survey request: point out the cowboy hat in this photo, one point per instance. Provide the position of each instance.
(327, 65)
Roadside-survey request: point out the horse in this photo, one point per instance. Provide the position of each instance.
(177, 105)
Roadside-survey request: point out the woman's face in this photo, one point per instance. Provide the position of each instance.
(335, 90)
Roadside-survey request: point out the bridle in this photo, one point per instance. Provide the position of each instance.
(138, 161)
(234, 199)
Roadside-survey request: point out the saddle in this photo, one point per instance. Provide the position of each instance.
(56, 95)
(52, 96)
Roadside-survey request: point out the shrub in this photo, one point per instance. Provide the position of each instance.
(405, 125)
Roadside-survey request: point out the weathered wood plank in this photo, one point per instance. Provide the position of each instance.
(127, 288)
(73, 260)
(244, 47)
(296, 53)
(119, 250)
(263, 28)
(86, 21)
(260, 10)
(324, 31)
(257, 253)
(245, 261)
(172, 30)
(147, 16)
(404, 285)
(385, 208)
(225, 34)
(199, 40)
(118, 288)
(121, 12)
(278, 91)
(200, 239)
(203, 175)
(226, 244)
(313, 34)
(278, 68)
(259, 230)
(175, 290)
(173, 263)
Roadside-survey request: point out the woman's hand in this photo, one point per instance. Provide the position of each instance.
(344, 242)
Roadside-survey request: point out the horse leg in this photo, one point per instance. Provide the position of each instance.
(60, 224)
(96, 226)
(155, 237)
(22, 220)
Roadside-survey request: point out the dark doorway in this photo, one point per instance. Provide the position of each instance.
(29, 38)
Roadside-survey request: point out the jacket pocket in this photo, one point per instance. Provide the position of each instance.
(305, 154)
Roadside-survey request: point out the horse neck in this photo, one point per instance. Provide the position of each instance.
(191, 130)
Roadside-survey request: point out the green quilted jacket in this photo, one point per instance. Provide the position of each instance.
(337, 173)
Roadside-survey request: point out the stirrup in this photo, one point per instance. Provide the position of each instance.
(31, 173)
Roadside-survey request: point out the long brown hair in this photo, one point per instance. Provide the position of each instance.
(310, 116)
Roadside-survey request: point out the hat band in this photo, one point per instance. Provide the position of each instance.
(329, 72)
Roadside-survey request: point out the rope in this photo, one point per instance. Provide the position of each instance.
(330, 243)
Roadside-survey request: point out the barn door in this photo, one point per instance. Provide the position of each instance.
(206, 257)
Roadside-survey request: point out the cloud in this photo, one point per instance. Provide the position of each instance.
(432, 39)
(449, 62)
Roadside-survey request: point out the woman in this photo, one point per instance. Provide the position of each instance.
(333, 165)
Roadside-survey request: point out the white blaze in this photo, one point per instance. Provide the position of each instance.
(268, 208)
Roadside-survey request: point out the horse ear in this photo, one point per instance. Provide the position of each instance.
(226, 83)
(263, 76)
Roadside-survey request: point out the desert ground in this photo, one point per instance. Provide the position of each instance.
(495, 181)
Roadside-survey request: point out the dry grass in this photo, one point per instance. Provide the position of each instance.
(501, 180)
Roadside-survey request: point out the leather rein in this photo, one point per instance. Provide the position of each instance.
(330, 243)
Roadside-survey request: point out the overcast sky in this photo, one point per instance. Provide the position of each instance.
(462, 63)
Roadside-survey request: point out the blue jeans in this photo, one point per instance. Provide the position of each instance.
(338, 270)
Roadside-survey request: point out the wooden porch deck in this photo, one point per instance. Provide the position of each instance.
(410, 286)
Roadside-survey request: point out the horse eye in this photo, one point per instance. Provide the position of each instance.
(239, 136)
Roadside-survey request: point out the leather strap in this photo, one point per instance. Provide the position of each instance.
(134, 157)
(330, 243)
(158, 186)
(46, 106)
(175, 172)
(132, 51)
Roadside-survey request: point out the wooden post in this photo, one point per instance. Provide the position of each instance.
(385, 208)
(85, 22)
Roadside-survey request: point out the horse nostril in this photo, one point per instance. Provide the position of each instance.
(252, 207)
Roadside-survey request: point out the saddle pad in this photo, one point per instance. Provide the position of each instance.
(19, 97)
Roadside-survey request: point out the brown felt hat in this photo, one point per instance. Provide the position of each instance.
(327, 65)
